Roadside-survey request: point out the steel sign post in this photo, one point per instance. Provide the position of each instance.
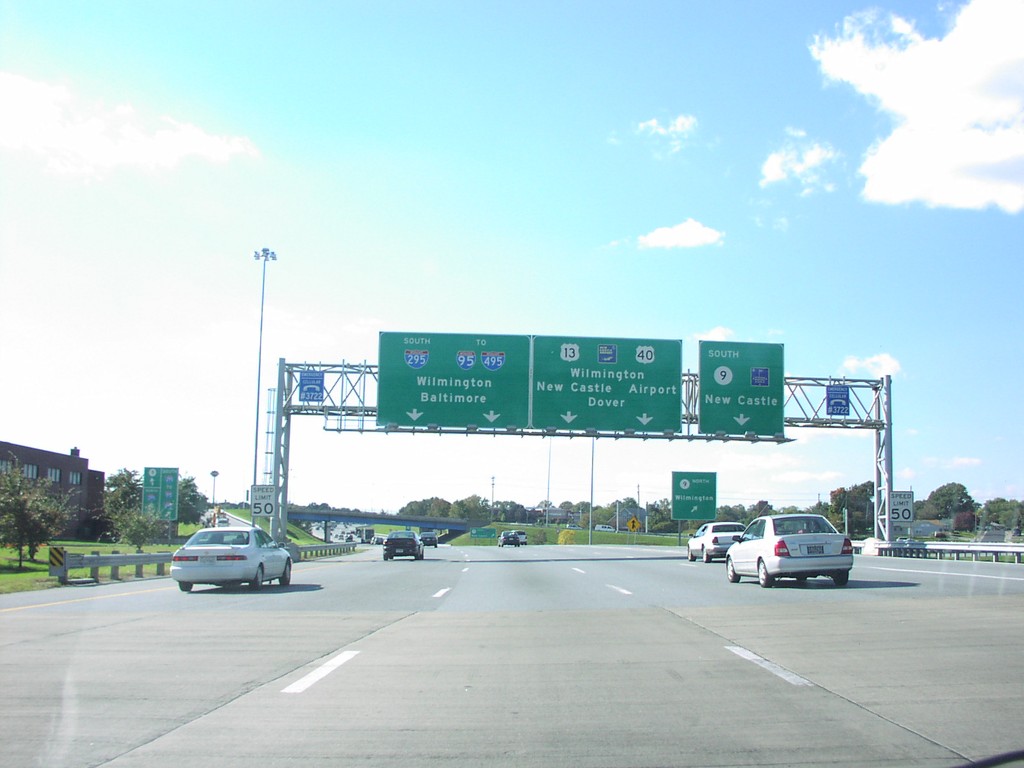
(453, 380)
(742, 388)
(607, 384)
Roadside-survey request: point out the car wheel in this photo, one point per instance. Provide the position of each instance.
(841, 578)
(185, 586)
(689, 554)
(730, 571)
(704, 555)
(762, 575)
(257, 583)
(286, 577)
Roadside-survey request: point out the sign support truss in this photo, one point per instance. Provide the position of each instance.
(349, 404)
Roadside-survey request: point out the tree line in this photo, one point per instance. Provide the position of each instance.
(34, 511)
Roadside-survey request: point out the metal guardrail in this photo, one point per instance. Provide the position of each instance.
(62, 561)
(971, 550)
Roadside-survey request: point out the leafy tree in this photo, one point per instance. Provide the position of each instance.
(859, 503)
(471, 508)
(1006, 513)
(191, 503)
(948, 500)
(122, 502)
(965, 521)
(31, 512)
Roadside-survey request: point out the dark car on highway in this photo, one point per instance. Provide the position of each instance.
(403, 544)
(508, 538)
(429, 538)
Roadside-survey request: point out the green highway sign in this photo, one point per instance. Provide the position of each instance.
(694, 495)
(453, 380)
(483, 533)
(606, 384)
(742, 388)
(160, 493)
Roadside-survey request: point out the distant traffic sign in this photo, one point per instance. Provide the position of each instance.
(453, 380)
(837, 400)
(311, 386)
(607, 384)
(694, 495)
(741, 388)
(160, 492)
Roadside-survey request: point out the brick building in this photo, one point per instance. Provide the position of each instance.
(70, 473)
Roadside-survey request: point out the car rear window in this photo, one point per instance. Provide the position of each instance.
(794, 525)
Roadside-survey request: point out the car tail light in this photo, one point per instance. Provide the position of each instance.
(232, 557)
(714, 539)
(781, 549)
(847, 547)
(184, 558)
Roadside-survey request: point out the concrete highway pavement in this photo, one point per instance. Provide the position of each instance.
(533, 656)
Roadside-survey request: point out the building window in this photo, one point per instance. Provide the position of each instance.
(31, 471)
(53, 474)
(75, 478)
(5, 465)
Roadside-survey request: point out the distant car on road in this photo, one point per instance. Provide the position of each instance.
(508, 539)
(403, 544)
(230, 555)
(790, 547)
(712, 540)
(429, 538)
(522, 537)
(605, 528)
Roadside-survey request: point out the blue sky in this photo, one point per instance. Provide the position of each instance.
(842, 178)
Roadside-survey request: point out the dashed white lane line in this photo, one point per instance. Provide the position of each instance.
(775, 669)
(442, 592)
(579, 570)
(320, 672)
(620, 590)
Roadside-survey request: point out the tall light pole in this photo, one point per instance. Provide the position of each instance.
(214, 476)
(266, 255)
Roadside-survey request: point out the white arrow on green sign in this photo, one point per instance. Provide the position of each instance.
(607, 384)
(453, 380)
(694, 495)
(742, 388)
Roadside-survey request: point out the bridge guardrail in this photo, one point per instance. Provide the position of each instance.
(973, 550)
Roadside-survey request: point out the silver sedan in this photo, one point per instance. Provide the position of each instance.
(790, 547)
(230, 555)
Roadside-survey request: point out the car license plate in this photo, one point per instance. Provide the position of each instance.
(815, 549)
(207, 559)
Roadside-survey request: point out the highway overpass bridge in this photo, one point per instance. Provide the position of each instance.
(450, 524)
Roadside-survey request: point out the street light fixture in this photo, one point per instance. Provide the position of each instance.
(266, 255)
(214, 474)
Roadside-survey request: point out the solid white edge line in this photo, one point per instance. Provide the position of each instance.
(320, 672)
(775, 669)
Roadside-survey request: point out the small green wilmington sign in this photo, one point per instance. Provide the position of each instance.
(694, 495)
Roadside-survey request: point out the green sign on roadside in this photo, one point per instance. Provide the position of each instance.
(483, 533)
(160, 493)
(694, 495)
(742, 388)
(453, 380)
(607, 384)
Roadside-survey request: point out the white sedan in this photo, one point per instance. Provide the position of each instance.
(712, 540)
(231, 555)
(790, 547)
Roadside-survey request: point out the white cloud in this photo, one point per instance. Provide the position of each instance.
(675, 131)
(801, 160)
(689, 234)
(718, 333)
(879, 365)
(957, 105)
(76, 137)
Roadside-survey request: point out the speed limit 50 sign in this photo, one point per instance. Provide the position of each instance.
(901, 506)
(263, 500)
